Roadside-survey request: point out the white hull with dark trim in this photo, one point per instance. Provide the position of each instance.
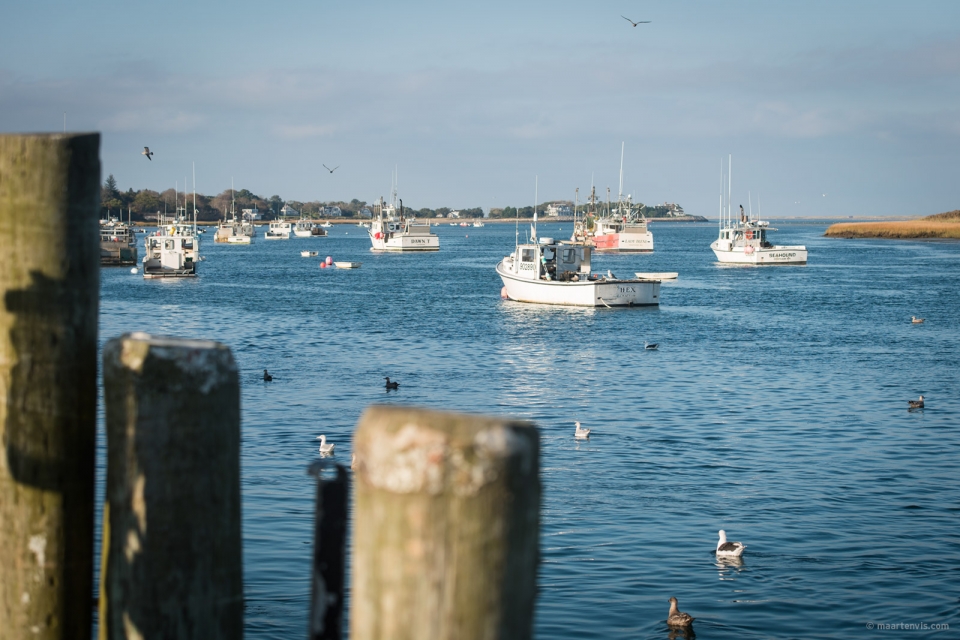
(588, 293)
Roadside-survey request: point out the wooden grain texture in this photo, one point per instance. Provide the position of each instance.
(329, 554)
(172, 545)
(446, 527)
(49, 281)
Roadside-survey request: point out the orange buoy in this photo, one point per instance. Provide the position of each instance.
(323, 265)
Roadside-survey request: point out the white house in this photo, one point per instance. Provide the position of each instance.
(556, 210)
(249, 215)
(366, 212)
(453, 214)
(288, 211)
(332, 212)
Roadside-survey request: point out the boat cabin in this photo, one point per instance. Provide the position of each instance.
(549, 260)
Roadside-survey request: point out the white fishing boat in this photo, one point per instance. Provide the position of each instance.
(308, 254)
(278, 230)
(477, 224)
(391, 231)
(233, 230)
(326, 224)
(305, 228)
(549, 272)
(743, 240)
(623, 228)
(173, 251)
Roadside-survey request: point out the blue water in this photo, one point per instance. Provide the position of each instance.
(775, 408)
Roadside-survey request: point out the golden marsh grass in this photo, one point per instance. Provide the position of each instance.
(941, 225)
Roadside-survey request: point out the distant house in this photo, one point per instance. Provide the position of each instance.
(453, 214)
(331, 212)
(439, 215)
(555, 210)
(674, 209)
(366, 213)
(249, 215)
(289, 212)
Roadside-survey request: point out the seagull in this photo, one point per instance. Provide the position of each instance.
(916, 320)
(580, 433)
(331, 170)
(146, 152)
(916, 404)
(677, 618)
(634, 23)
(267, 377)
(651, 346)
(324, 447)
(610, 275)
(729, 549)
(392, 385)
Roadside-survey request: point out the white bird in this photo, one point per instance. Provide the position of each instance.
(580, 433)
(324, 447)
(146, 152)
(916, 320)
(729, 549)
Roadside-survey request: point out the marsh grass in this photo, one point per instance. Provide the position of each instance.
(941, 225)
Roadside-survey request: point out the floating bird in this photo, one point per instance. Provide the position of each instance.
(634, 23)
(916, 404)
(729, 549)
(580, 433)
(146, 152)
(677, 618)
(651, 346)
(916, 320)
(331, 170)
(267, 377)
(324, 447)
(392, 385)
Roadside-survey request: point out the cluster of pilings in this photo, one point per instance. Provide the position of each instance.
(446, 507)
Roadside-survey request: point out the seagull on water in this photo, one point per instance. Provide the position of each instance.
(677, 618)
(267, 377)
(146, 152)
(916, 320)
(729, 549)
(916, 404)
(331, 170)
(580, 433)
(392, 385)
(325, 448)
(634, 23)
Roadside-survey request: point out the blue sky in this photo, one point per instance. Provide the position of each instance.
(829, 108)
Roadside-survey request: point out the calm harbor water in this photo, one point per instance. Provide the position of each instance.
(775, 408)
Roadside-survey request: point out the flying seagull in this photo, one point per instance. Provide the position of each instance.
(634, 23)
(331, 170)
(146, 152)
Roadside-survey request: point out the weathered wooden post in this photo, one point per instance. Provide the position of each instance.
(49, 281)
(446, 527)
(329, 547)
(172, 561)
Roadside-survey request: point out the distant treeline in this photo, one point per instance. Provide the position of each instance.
(144, 204)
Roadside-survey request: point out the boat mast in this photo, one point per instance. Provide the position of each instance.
(729, 186)
(194, 199)
(720, 219)
(620, 193)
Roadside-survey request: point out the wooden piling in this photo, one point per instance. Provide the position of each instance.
(172, 544)
(329, 547)
(446, 527)
(49, 281)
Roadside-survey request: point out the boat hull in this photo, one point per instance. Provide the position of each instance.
(624, 242)
(588, 293)
(406, 243)
(770, 256)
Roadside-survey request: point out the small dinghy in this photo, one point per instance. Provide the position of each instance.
(657, 275)
(347, 265)
(308, 254)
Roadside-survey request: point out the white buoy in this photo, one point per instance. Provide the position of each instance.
(134, 270)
